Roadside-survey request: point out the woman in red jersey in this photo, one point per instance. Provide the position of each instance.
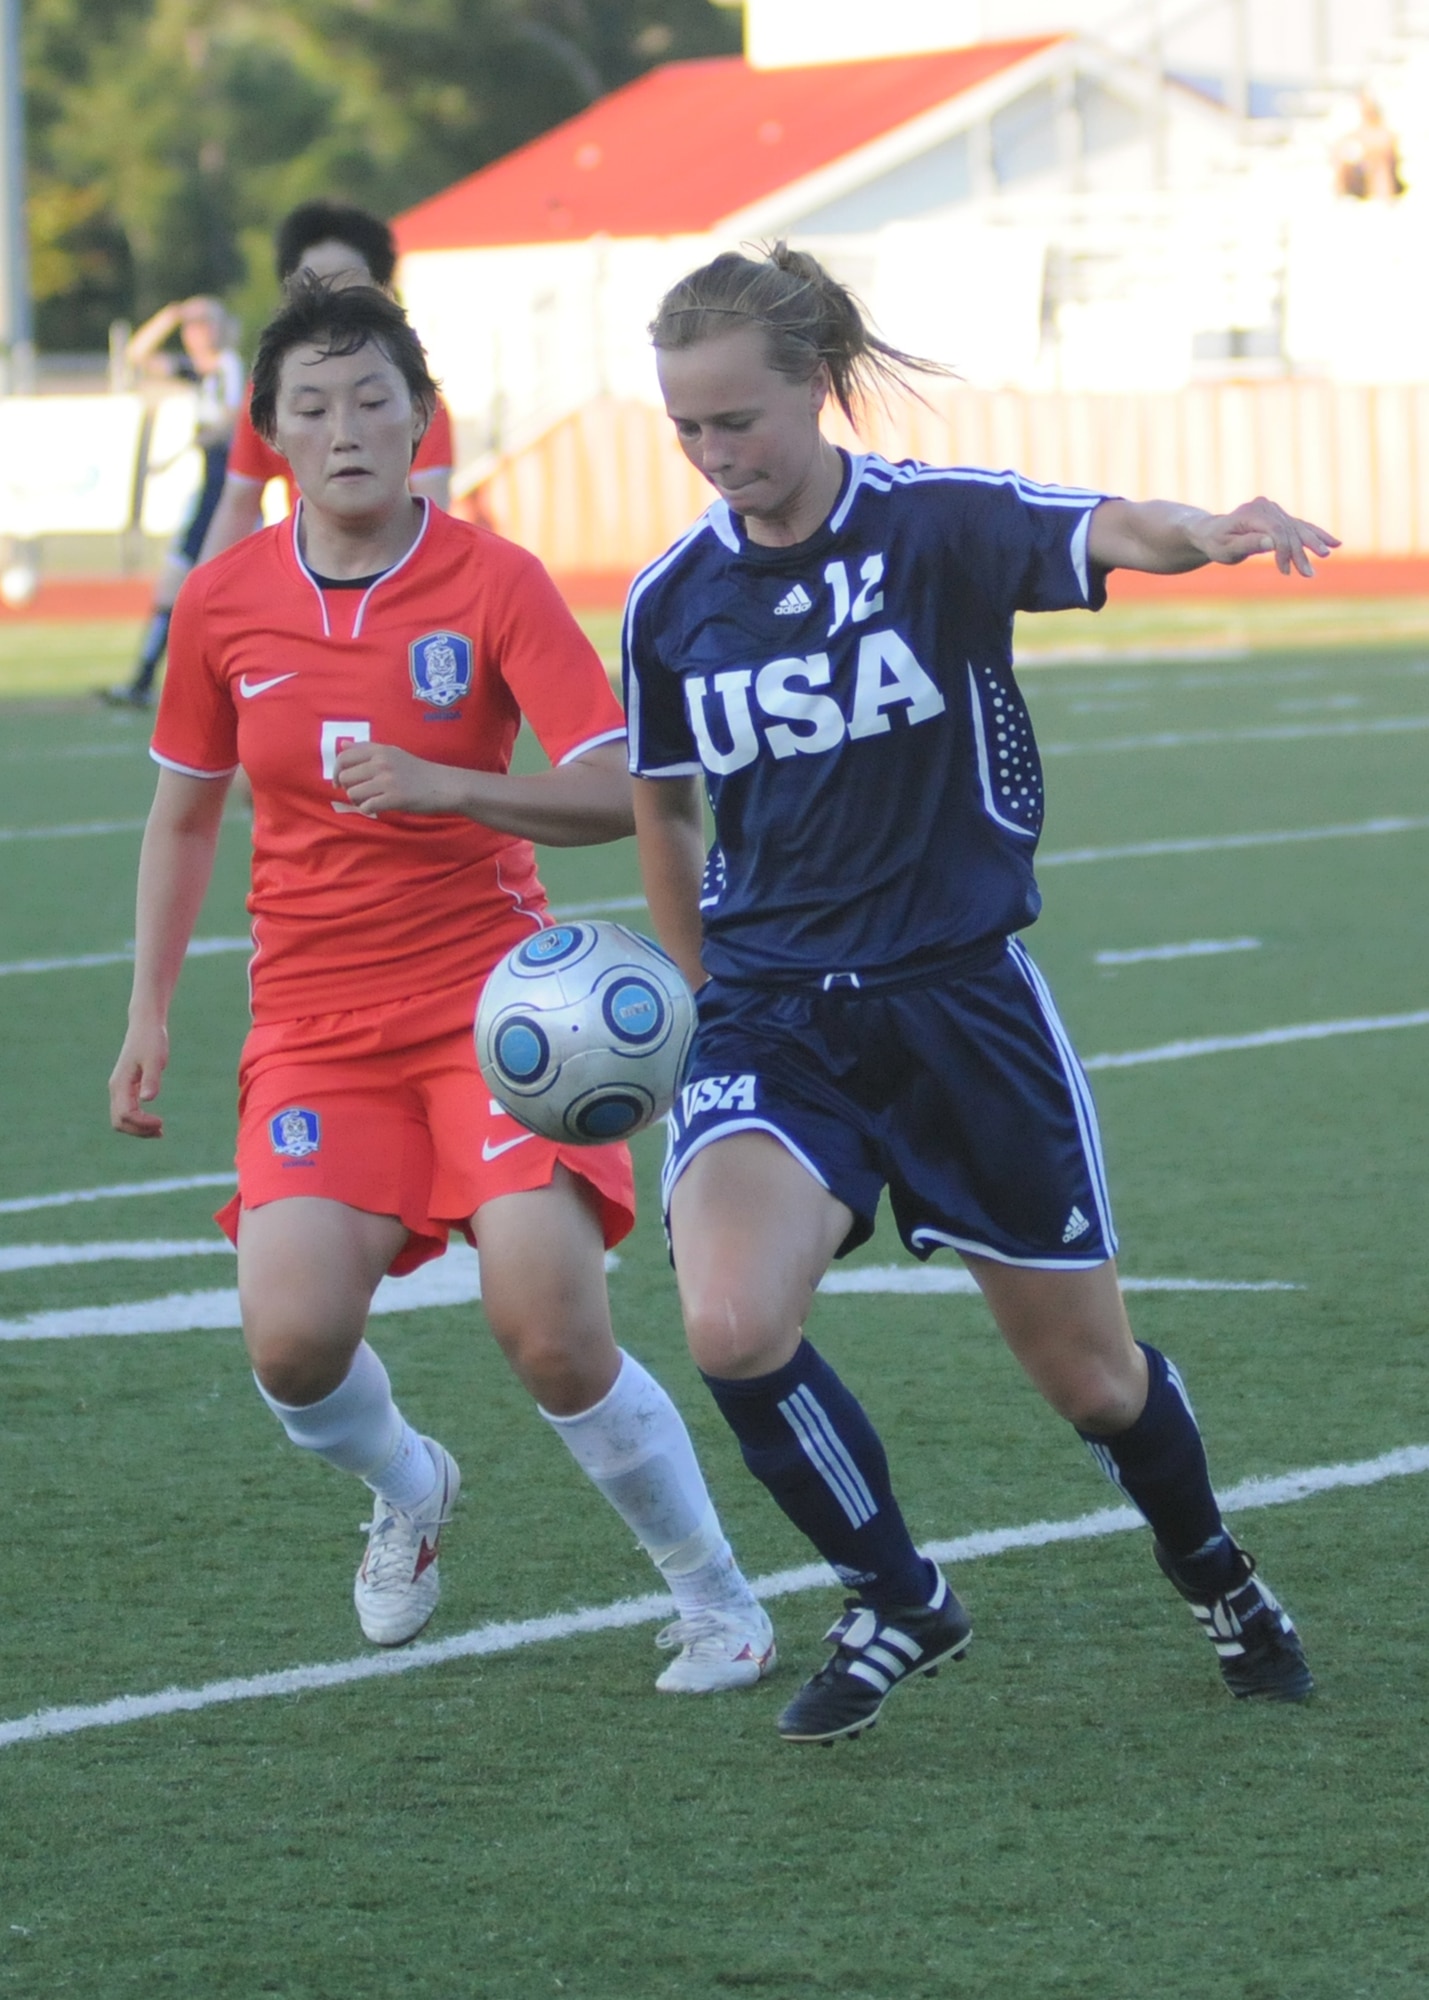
(368, 663)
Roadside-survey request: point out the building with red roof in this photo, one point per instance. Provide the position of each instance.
(704, 146)
(534, 279)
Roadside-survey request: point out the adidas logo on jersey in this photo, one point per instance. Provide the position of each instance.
(1077, 1225)
(794, 601)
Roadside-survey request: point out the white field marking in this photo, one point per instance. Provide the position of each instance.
(453, 1280)
(599, 909)
(198, 948)
(1267, 1038)
(1093, 655)
(1271, 732)
(1217, 843)
(49, 1256)
(26, 1204)
(1310, 1031)
(68, 750)
(76, 832)
(1197, 948)
(485, 1641)
(892, 1279)
(1069, 857)
(448, 1281)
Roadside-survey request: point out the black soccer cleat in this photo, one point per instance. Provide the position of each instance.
(1259, 1649)
(873, 1654)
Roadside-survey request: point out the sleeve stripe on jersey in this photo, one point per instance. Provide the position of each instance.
(1027, 489)
(593, 743)
(187, 770)
(881, 477)
(672, 771)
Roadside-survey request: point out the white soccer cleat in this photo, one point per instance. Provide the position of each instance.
(717, 1649)
(398, 1585)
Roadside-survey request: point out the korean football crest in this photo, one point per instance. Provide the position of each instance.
(295, 1133)
(441, 668)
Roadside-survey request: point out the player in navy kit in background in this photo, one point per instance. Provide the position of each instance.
(828, 655)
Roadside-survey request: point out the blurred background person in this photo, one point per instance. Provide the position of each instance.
(336, 241)
(211, 361)
(1367, 159)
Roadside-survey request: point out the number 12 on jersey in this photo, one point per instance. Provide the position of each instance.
(335, 737)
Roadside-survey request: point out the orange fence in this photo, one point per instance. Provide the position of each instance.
(605, 491)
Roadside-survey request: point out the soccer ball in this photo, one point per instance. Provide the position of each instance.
(582, 1032)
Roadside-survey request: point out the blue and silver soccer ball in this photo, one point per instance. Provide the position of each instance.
(582, 1032)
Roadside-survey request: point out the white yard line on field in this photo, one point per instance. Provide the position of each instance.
(1141, 850)
(50, 1256)
(1225, 843)
(453, 1280)
(1269, 732)
(1152, 954)
(486, 1641)
(77, 832)
(198, 948)
(1265, 1038)
(1308, 1031)
(26, 1204)
(893, 1279)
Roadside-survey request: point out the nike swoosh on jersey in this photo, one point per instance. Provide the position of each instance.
(249, 688)
(490, 1152)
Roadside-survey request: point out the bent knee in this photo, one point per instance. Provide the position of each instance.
(1099, 1403)
(737, 1338)
(296, 1361)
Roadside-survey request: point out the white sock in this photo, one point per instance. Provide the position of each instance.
(633, 1446)
(359, 1428)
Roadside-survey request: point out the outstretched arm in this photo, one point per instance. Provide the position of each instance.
(145, 341)
(579, 804)
(670, 827)
(175, 864)
(1168, 537)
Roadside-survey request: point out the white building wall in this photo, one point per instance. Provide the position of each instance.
(1187, 247)
(1275, 38)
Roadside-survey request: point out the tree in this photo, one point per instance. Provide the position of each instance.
(168, 136)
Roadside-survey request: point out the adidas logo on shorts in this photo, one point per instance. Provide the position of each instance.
(1077, 1225)
(795, 600)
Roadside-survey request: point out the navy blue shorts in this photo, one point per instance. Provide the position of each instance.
(189, 539)
(961, 1095)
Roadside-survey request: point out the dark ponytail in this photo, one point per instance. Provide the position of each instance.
(807, 317)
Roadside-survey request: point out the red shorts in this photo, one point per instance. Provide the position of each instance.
(385, 1109)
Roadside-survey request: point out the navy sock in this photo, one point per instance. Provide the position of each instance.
(156, 638)
(806, 1438)
(1160, 1465)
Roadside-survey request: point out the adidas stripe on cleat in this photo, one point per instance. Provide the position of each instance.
(397, 1585)
(874, 1654)
(1258, 1648)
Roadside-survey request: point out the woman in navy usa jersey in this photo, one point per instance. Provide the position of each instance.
(827, 655)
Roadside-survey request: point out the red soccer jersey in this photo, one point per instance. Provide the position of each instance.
(252, 457)
(442, 657)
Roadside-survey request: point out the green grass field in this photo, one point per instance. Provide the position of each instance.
(1079, 1812)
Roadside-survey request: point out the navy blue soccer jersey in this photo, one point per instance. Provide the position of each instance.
(851, 706)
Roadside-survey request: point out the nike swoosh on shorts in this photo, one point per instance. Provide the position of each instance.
(249, 688)
(490, 1152)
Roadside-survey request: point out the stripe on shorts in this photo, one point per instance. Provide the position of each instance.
(1077, 1081)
